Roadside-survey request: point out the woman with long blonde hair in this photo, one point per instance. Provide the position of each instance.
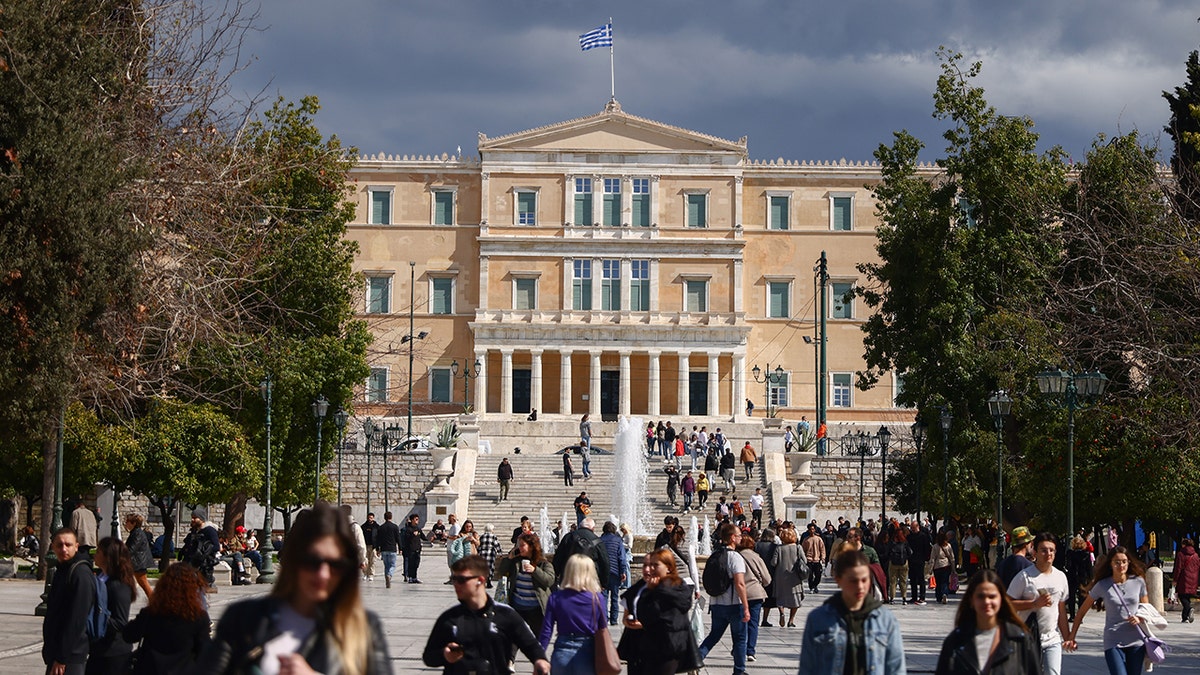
(577, 609)
(313, 620)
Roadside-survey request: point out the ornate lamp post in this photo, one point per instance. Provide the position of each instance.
(379, 440)
(1000, 406)
(368, 427)
(339, 419)
(469, 371)
(860, 444)
(773, 378)
(268, 546)
(918, 435)
(319, 408)
(947, 419)
(410, 338)
(1073, 391)
(883, 437)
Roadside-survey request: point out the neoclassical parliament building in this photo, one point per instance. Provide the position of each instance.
(614, 265)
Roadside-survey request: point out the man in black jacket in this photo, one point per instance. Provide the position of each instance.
(369, 529)
(72, 594)
(921, 546)
(387, 542)
(583, 540)
(478, 635)
(412, 540)
(202, 546)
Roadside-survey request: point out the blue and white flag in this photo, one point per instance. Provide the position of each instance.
(598, 37)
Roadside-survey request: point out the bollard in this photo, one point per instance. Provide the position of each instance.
(1154, 587)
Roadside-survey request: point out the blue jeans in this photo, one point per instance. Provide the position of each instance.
(587, 463)
(574, 654)
(389, 563)
(612, 591)
(1125, 660)
(727, 616)
(752, 627)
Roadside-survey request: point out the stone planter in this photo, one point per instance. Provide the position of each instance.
(443, 466)
(773, 422)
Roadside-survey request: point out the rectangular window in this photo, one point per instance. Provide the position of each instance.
(377, 386)
(641, 202)
(612, 202)
(842, 214)
(840, 306)
(778, 300)
(841, 390)
(441, 295)
(443, 207)
(379, 295)
(527, 208)
(583, 201)
(697, 210)
(524, 293)
(779, 213)
(968, 210)
(639, 285)
(779, 391)
(581, 286)
(439, 385)
(697, 295)
(381, 207)
(898, 391)
(610, 286)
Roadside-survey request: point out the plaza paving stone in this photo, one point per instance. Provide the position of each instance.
(408, 612)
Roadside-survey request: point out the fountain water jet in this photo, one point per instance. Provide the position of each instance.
(631, 471)
(544, 531)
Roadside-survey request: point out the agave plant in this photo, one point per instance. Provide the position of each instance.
(447, 435)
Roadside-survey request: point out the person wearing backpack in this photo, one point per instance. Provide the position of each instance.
(72, 595)
(109, 653)
(201, 546)
(898, 554)
(724, 581)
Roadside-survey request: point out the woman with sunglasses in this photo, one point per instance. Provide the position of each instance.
(1118, 582)
(658, 637)
(313, 621)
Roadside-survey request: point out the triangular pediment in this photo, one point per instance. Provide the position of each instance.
(610, 131)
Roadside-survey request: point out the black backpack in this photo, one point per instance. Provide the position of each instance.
(899, 553)
(716, 577)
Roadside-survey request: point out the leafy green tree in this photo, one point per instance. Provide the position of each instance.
(962, 248)
(1184, 130)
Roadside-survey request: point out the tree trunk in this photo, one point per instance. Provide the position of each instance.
(235, 513)
(8, 523)
(166, 508)
(49, 451)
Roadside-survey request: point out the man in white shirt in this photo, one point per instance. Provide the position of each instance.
(1042, 589)
(731, 609)
(756, 507)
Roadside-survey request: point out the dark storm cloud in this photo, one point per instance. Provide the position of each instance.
(803, 80)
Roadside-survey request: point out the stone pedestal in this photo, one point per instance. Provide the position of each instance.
(800, 504)
(440, 502)
(1154, 587)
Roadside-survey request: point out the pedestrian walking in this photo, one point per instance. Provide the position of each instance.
(369, 529)
(618, 569)
(728, 471)
(490, 549)
(568, 470)
(583, 507)
(64, 638)
(789, 587)
(667, 445)
(585, 431)
(898, 555)
(749, 408)
(83, 521)
(314, 617)
(202, 545)
(731, 608)
(139, 544)
(756, 508)
(479, 635)
(110, 654)
(988, 635)
(851, 632)
(577, 611)
(1039, 595)
(1187, 577)
(1118, 582)
(528, 576)
(813, 548)
(922, 547)
(582, 540)
(412, 540)
(758, 579)
(943, 566)
(702, 487)
(748, 457)
(1078, 568)
(658, 637)
(672, 483)
(387, 542)
(173, 628)
(689, 491)
(504, 476)
(585, 455)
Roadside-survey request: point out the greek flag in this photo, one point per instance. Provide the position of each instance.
(598, 37)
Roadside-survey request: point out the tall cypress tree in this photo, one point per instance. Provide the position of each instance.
(1184, 129)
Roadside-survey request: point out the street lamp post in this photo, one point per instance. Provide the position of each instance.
(883, 436)
(319, 408)
(918, 435)
(378, 436)
(410, 338)
(1000, 406)
(368, 427)
(1073, 391)
(267, 575)
(860, 444)
(469, 371)
(339, 419)
(772, 378)
(947, 419)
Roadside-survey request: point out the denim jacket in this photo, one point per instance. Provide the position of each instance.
(823, 651)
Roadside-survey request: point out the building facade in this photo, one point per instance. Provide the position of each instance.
(614, 265)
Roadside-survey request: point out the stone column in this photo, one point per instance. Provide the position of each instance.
(737, 286)
(483, 282)
(597, 280)
(714, 381)
(654, 394)
(506, 381)
(739, 384)
(684, 371)
(626, 272)
(568, 275)
(481, 356)
(625, 393)
(564, 384)
(594, 384)
(654, 284)
(535, 380)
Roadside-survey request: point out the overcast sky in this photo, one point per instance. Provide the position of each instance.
(804, 80)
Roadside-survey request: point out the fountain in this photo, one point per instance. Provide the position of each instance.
(631, 470)
(706, 540)
(544, 531)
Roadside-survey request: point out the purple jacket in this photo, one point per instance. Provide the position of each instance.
(689, 484)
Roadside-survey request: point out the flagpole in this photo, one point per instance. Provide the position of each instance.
(612, 70)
